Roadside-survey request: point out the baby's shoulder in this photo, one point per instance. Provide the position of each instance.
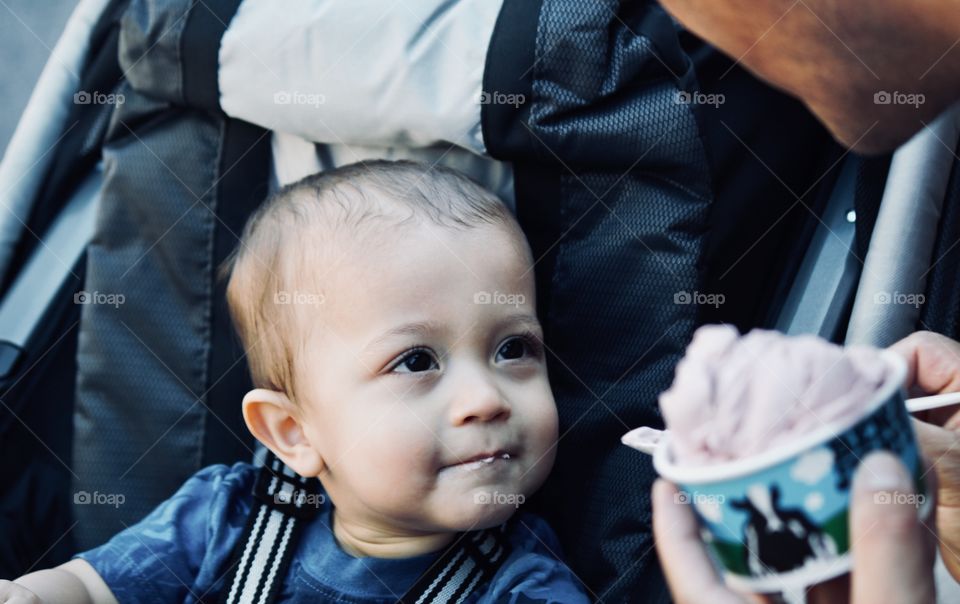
(221, 479)
(220, 486)
(528, 532)
(182, 545)
(534, 571)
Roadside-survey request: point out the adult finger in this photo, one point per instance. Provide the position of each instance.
(685, 563)
(933, 361)
(892, 551)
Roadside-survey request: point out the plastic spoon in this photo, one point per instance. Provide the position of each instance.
(646, 439)
(925, 403)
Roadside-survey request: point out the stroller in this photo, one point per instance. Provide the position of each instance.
(649, 213)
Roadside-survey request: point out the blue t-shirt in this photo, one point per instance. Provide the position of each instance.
(178, 554)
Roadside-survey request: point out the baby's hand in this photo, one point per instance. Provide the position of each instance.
(11, 593)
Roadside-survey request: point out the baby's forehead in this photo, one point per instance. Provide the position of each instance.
(361, 237)
(370, 222)
(374, 268)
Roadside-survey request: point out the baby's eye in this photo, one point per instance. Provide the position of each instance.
(516, 347)
(416, 361)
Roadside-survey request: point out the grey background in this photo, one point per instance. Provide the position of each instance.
(29, 29)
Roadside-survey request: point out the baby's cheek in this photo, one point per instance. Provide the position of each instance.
(398, 469)
(540, 445)
(540, 419)
(402, 445)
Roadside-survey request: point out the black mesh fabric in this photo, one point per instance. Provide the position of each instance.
(613, 191)
(765, 150)
(871, 180)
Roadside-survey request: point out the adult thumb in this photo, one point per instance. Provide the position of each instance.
(893, 555)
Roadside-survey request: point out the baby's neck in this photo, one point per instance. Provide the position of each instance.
(364, 540)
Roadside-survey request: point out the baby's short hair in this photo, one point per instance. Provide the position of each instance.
(274, 253)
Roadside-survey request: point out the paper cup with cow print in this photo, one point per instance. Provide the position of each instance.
(779, 521)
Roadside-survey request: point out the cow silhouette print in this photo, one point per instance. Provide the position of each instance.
(779, 539)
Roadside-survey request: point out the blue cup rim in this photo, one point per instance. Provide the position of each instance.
(721, 472)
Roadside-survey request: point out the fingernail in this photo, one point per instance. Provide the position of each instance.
(882, 472)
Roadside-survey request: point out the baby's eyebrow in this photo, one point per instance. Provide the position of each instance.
(416, 328)
(423, 328)
(522, 319)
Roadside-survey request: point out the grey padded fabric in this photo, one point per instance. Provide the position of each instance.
(890, 294)
(142, 364)
(161, 374)
(148, 27)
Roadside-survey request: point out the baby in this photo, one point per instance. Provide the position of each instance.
(388, 316)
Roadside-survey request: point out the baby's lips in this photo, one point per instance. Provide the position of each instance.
(644, 439)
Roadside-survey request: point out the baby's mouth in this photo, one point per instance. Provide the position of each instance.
(481, 460)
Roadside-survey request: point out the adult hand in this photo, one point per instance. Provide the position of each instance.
(893, 551)
(933, 363)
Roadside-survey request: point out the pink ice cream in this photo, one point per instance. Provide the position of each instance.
(733, 396)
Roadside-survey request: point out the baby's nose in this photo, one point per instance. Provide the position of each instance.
(484, 404)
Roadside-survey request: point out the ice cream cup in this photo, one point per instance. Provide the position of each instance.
(778, 521)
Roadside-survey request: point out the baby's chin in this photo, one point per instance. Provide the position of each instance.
(469, 501)
(472, 508)
(469, 516)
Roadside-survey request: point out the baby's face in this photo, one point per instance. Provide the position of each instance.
(426, 389)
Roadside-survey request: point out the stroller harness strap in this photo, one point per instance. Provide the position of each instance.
(285, 502)
(470, 562)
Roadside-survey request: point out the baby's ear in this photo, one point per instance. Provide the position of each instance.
(274, 420)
